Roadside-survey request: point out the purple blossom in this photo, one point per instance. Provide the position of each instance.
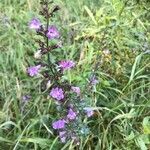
(71, 114)
(60, 124)
(62, 136)
(26, 98)
(89, 111)
(76, 90)
(52, 32)
(33, 70)
(57, 93)
(66, 64)
(94, 80)
(35, 24)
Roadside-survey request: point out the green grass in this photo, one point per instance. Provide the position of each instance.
(88, 27)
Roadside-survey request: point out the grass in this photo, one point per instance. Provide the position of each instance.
(89, 28)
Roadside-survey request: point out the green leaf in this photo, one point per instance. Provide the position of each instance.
(90, 14)
(146, 125)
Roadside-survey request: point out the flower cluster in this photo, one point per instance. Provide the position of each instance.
(62, 92)
(33, 70)
(35, 24)
(52, 32)
(57, 93)
(66, 64)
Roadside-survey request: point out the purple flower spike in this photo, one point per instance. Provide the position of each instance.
(66, 64)
(35, 24)
(33, 70)
(52, 32)
(71, 114)
(57, 93)
(62, 136)
(76, 90)
(60, 124)
(89, 111)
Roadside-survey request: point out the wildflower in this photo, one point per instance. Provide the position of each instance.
(57, 93)
(52, 32)
(26, 98)
(33, 70)
(76, 90)
(35, 24)
(59, 124)
(62, 136)
(89, 111)
(94, 81)
(66, 64)
(71, 114)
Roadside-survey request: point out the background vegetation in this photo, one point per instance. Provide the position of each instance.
(117, 33)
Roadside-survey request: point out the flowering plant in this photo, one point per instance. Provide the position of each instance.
(70, 102)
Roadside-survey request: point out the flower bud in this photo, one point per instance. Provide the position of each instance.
(38, 54)
(48, 85)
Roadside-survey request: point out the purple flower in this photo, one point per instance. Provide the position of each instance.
(71, 114)
(94, 81)
(66, 64)
(60, 124)
(62, 136)
(33, 70)
(26, 98)
(76, 90)
(57, 93)
(35, 24)
(89, 111)
(52, 32)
